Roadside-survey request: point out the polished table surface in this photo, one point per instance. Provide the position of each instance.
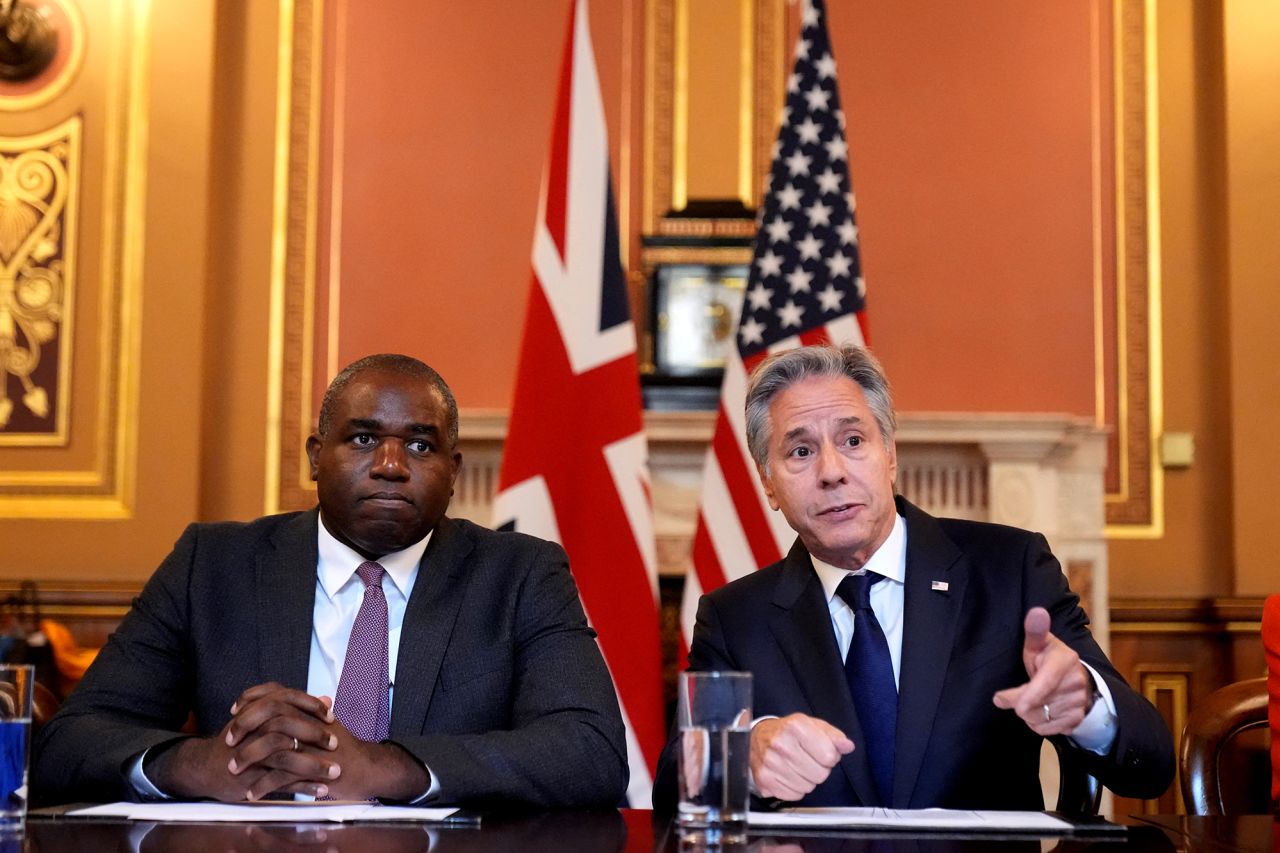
(627, 830)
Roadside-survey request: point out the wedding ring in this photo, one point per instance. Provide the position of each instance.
(1048, 717)
(295, 740)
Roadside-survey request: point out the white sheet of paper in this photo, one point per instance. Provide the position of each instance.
(929, 819)
(297, 812)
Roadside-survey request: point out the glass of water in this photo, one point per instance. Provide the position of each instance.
(715, 744)
(16, 685)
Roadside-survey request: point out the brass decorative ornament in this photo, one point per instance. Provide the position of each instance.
(28, 41)
(36, 183)
(42, 51)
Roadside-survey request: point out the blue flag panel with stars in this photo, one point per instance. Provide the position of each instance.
(805, 271)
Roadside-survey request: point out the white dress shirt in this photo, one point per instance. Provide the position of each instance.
(1096, 732)
(339, 592)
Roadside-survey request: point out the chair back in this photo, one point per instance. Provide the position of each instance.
(1271, 644)
(1223, 749)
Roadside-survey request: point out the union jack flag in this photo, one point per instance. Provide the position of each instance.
(575, 467)
(805, 287)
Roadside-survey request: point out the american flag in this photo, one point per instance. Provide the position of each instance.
(575, 465)
(805, 286)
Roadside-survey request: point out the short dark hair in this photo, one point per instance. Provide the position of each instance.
(780, 371)
(388, 363)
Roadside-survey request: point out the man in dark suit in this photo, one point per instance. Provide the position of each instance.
(900, 659)
(265, 633)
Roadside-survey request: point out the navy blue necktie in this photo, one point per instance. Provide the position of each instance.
(869, 670)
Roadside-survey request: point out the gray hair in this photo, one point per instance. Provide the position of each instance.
(388, 363)
(780, 371)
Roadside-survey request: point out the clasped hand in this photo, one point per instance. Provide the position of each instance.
(281, 740)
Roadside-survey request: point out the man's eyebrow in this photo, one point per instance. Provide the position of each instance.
(373, 424)
(804, 430)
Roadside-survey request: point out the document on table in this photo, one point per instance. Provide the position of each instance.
(913, 819)
(265, 812)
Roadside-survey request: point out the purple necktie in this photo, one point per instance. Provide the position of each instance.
(363, 702)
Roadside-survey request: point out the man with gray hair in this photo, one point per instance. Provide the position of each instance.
(903, 660)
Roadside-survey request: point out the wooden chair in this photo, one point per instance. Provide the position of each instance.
(1271, 646)
(44, 704)
(1223, 750)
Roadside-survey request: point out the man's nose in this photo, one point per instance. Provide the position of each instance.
(389, 460)
(831, 468)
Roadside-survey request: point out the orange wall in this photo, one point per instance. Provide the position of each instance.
(447, 124)
(970, 130)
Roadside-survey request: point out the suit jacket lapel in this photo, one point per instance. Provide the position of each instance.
(428, 623)
(929, 619)
(801, 623)
(286, 592)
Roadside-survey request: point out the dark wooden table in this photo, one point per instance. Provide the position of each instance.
(627, 830)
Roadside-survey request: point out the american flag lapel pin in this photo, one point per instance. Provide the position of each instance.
(939, 586)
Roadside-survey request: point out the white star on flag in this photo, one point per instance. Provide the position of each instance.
(790, 314)
(817, 97)
(838, 265)
(760, 296)
(819, 214)
(799, 280)
(830, 298)
(829, 181)
(779, 229)
(809, 131)
(810, 247)
(769, 264)
(752, 332)
(798, 163)
(789, 197)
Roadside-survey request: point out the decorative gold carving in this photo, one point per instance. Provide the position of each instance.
(293, 285)
(1137, 509)
(39, 189)
(666, 99)
(103, 487)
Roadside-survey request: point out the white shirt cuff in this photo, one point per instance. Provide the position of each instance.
(142, 786)
(1097, 731)
(431, 791)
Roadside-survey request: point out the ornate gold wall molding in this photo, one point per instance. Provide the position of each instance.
(1136, 508)
(91, 471)
(293, 265)
(667, 121)
(39, 194)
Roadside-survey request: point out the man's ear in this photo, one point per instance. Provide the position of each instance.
(313, 454)
(457, 468)
(766, 482)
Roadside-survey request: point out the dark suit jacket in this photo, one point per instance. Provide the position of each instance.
(954, 748)
(500, 687)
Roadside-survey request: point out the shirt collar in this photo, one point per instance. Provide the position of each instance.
(889, 560)
(338, 563)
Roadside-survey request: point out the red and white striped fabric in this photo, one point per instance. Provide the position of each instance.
(805, 287)
(575, 464)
